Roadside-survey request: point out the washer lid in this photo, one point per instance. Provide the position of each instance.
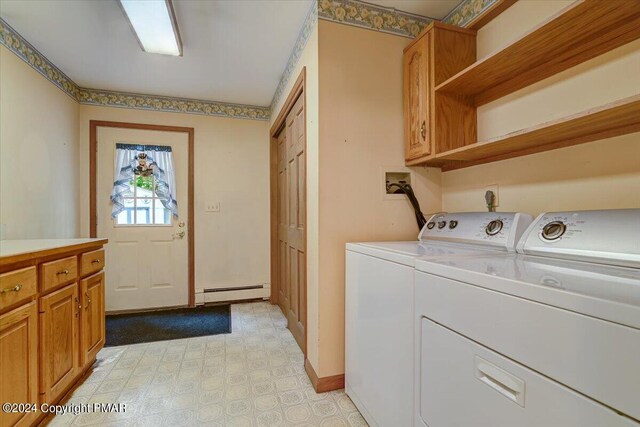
(606, 236)
(605, 292)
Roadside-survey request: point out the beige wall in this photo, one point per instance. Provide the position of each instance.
(309, 60)
(361, 134)
(231, 167)
(599, 175)
(39, 179)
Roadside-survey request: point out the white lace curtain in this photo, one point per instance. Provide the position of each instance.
(159, 159)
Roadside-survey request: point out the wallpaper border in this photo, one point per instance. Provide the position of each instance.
(373, 17)
(467, 11)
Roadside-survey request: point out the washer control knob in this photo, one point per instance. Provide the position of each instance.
(553, 230)
(430, 225)
(494, 227)
(453, 224)
(442, 224)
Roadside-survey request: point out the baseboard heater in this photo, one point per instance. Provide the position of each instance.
(239, 288)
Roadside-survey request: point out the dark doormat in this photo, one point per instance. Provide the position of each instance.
(164, 325)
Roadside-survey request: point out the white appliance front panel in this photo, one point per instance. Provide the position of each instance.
(605, 292)
(497, 230)
(379, 339)
(466, 384)
(596, 358)
(608, 237)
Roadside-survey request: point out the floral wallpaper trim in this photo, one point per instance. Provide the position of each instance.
(301, 42)
(366, 15)
(29, 54)
(467, 11)
(171, 104)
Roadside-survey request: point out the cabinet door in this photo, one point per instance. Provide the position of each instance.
(416, 99)
(92, 332)
(59, 361)
(19, 362)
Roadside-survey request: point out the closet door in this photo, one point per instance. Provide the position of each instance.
(296, 221)
(283, 277)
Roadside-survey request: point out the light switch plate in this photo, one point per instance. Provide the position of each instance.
(212, 207)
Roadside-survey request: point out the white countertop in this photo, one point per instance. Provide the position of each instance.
(9, 248)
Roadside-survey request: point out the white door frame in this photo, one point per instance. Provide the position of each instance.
(93, 209)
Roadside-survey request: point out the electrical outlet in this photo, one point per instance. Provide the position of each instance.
(212, 207)
(494, 188)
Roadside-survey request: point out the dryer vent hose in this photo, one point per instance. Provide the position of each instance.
(403, 187)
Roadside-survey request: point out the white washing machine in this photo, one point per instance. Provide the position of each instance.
(379, 321)
(549, 337)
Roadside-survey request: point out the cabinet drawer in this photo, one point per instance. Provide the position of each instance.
(90, 262)
(58, 272)
(17, 286)
(466, 384)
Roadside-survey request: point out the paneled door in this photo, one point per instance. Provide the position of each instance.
(92, 327)
(19, 362)
(292, 221)
(147, 256)
(59, 321)
(417, 99)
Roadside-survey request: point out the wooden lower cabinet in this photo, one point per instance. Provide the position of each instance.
(59, 354)
(92, 317)
(52, 324)
(19, 362)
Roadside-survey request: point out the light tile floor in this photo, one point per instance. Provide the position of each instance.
(252, 377)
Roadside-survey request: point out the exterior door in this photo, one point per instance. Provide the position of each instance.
(19, 362)
(59, 320)
(416, 99)
(292, 218)
(92, 327)
(147, 256)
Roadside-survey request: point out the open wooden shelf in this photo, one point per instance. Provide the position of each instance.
(613, 119)
(584, 30)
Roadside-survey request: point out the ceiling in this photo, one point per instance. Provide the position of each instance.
(234, 51)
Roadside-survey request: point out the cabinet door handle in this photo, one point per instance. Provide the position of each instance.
(86, 294)
(65, 272)
(79, 306)
(423, 130)
(15, 288)
(95, 261)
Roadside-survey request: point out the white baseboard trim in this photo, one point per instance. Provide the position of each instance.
(232, 295)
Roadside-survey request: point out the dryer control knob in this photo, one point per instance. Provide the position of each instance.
(453, 224)
(430, 225)
(442, 224)
(494, 227)
(553, 230)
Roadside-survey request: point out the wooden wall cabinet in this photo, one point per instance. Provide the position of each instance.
(437, 54)
(52, 322)
(456, 84)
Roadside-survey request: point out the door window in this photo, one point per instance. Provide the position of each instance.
(144, 188)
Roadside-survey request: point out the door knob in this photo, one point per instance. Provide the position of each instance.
(180, 234)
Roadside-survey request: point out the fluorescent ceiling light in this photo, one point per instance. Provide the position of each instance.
(154, 24)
